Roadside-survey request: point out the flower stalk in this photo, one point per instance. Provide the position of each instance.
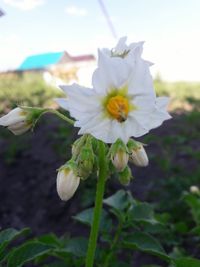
(98, 206)
(60, 115)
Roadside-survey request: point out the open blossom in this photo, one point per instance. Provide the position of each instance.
(121, 104)
(16, 121)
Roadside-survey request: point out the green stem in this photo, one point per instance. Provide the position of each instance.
(98, 206)
(60, 115)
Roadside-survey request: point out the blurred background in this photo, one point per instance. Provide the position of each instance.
(44, 43)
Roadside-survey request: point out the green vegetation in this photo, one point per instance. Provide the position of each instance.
(127, 225)
(25, 89)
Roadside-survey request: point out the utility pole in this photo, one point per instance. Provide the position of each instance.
(109, 21)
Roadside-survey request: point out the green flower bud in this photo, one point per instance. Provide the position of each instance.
(86, 161)
(77, 145)
(125, 176)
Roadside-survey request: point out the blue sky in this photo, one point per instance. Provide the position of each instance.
(171, 30)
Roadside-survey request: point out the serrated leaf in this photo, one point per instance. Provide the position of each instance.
(27, 252)
(187, 262)
(118, 201)
(86, 217)
(145, 243)
(7, 236)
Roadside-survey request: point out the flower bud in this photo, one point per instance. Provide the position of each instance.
(85, 162)
(138, 156)
(120, 160)
(16, 121)
(194, 189)
(21, 119)
(119, 155)
(77, 145)
(67, 182)
(125, 176)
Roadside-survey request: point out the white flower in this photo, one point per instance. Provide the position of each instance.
(16, 121)
(67, 183)
(139, 156)
(120, 160)
(122, 103)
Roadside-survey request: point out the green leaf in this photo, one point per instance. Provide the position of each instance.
(118, 201)
(181, 227)
(8, 235)
(187, 262)
(27, 252)
(86, 217)
(145, 243)
(194, 202)
(120, 264)
(195, 230)
(143, 212)
(50, 239)
(56, 264)
(76, 246)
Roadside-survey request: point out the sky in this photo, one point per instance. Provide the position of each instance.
(170, 29)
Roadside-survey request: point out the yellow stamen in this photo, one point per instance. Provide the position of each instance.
(118, 107)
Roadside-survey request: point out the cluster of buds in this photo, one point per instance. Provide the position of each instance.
(120, 154)
(78, 168)
(83, 161)
(21, 119)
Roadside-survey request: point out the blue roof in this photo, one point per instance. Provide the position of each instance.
(40, 61)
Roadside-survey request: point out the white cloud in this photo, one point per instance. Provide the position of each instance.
(76, 11)
(24, 4)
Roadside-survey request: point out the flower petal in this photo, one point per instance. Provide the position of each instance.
(112, 72)
(121, 45)
(141, 80)
(80, 101)
(62, 102)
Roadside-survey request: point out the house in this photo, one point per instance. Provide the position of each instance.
(60, 64)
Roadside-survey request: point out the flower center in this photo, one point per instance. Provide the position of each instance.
(118, 107)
